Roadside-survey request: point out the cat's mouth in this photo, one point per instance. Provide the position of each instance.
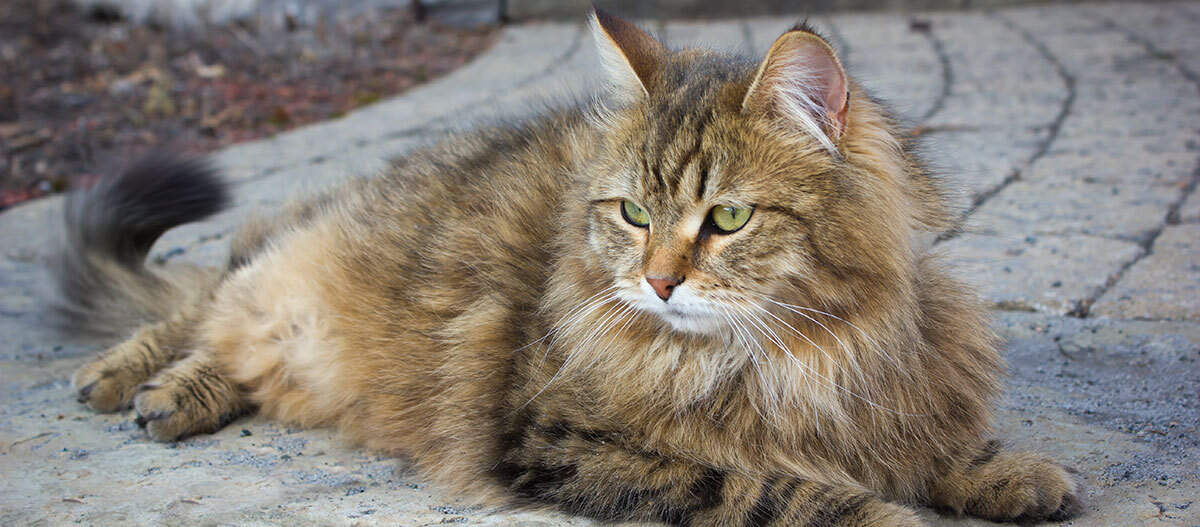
(688, 315)
(690, 321)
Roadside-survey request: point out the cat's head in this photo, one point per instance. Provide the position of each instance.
(722, 184)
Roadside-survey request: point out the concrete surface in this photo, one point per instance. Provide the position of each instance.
(1076, 130)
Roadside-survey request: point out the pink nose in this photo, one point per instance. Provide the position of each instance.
(663, 286)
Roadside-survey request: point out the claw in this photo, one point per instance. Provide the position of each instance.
(86, 392)
(156, 415)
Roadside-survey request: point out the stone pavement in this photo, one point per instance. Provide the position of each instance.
(1075, 128)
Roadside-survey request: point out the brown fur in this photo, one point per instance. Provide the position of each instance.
(453, 311)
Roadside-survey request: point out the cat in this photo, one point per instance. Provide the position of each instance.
(701, 299)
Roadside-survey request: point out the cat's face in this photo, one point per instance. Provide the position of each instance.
(697, 222)
(704, 213)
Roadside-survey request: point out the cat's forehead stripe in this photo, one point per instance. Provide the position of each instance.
(675, 140)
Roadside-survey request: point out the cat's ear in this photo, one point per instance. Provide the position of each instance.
(802, 84)
(631, 57)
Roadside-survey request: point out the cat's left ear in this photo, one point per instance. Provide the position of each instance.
(631, 56)
(802, 83)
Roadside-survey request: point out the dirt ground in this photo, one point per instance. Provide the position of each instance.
(82, 91)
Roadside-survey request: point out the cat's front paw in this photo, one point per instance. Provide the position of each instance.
(1024, 488)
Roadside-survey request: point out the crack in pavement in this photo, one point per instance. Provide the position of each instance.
(1172, 216)
(939, 50)
(1054, 127)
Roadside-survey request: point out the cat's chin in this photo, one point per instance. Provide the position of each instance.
(691, 323)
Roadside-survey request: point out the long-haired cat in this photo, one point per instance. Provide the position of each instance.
(701, 301)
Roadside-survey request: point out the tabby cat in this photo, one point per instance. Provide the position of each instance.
(701, 299)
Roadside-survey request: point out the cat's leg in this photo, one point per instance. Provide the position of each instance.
(190, 397)
(1008, 486)
(591, 473)
(107, 383)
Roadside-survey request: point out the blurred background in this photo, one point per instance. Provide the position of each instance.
(87, 84)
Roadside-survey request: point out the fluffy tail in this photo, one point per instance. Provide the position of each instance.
(104, 287)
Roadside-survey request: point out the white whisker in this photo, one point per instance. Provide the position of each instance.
(845, 390)
(628, 310)
(570, 355)
(738, 333)
(573, 315)
(743, 335)
(849, 352)
(611, 317)
(585, 307)
(883, 352)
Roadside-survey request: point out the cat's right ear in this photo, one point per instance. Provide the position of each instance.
(631, 57)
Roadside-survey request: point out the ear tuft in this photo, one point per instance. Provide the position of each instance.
(630, 56)
(802, 84)
(804, 26)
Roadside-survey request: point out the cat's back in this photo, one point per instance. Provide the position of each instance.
(473, 218)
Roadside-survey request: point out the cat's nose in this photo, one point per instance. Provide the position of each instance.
(663, 286)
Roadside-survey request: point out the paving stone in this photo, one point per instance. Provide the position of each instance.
(1048, 274)
(1166, 89)
(1126, 359)
(1006, 116)
(1075, 137)
(30, 230)
(1115, 168)
(1165, 285)
(1028, 111)
(988, 56)
(1170, 30)
(1107, 116)
(1129, 212)
(979, 160)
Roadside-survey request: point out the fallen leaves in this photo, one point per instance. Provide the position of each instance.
(81, 96)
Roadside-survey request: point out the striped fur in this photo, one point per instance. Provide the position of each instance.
(480, 309)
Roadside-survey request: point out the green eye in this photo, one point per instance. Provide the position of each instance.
(634, 214)
(727, 218)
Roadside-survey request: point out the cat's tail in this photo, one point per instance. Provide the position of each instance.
(102, 283)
